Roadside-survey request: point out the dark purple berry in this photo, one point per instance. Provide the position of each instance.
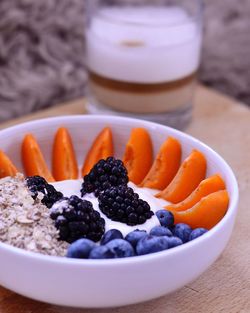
(160, 231)
(80, 249)
(75, 218)
(166, 218)
(120, 248)
(134, 236)
(39, 184)
(105, 174)
(121, 204)
(151, 244)
(111, 235)
(197, 232)
(182, 231)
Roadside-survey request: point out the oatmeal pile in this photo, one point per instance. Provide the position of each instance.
(25, 222)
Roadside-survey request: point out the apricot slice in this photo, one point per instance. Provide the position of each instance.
(7, 168)
(101, 148)
(64, 164)
(33, 160)
(206, 213)
(138, 156)
(188, 177)
(207, 186)
(165, 166)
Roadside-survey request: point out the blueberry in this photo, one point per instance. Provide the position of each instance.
(182, 231)
(80, 249)
(151, 244)
(197, 232)
(121, 248)
(174, 242)
(101, 252)
(166, 218)
(160, 231)
(110, 235)
(134, 236)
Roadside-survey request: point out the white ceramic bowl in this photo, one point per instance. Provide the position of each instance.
(115, 282)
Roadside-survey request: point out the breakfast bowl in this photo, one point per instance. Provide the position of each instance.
(89, 283)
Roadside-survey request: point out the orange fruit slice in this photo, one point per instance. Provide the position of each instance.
(64, 164)
(165, 166)
(138, 156)
(188, 177)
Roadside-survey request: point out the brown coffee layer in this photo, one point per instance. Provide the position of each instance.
(133, 87)
(144, 102)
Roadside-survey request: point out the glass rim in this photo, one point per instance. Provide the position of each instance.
(197, 17)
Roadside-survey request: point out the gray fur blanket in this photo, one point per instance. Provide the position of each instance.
(42, 52)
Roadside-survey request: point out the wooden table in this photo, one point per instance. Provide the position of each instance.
(224, 125)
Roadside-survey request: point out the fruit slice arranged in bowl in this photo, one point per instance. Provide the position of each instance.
(138, 156)
(188, 177)
(209, 185)
(33, 160)
(165, 166)
(7, 168)
(101, 148)
(207, 212)
(64, 164)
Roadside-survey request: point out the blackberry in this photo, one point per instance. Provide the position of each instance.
(105, 174)
(122, 204)
(75, 218)
(39, 184)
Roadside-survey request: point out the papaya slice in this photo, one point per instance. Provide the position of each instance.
(138, 156)
(209, 185)
(206, 213)
(165, 166)
(101, 148)
(188, 177)
(7, 168)
(33, 160)
(64, 164)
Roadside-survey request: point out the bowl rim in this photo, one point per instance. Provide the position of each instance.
(63, 260)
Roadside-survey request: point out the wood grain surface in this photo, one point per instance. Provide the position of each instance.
(225, 126)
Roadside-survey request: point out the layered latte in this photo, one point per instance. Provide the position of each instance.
(143, 60)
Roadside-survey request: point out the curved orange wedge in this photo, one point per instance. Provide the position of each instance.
(138, 156)
(101, 148)
(33, 160)
(206, 213)
(165, 166)
(207, 186)
(188, 177)
(7, 168)
(64, 164)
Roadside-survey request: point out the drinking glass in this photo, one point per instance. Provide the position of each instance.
(143, 57)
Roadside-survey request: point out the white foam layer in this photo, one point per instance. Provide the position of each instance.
(146, 44)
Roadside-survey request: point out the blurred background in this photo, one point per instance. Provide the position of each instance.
(42, 52)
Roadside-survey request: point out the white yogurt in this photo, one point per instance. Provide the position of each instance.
(73, 187)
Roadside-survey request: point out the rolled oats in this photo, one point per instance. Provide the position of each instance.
(25, 223)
